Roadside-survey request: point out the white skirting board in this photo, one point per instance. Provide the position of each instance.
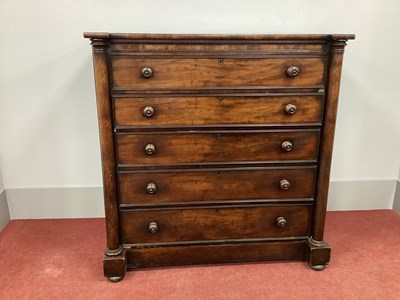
(87, 202)
(4, 211)
(55, 203)
(361, 194)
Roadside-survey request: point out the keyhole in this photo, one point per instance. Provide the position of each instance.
(220, 61)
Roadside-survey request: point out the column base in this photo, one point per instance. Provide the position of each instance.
(115, 266)
(318, 254)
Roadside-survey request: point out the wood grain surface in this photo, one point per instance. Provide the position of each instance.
(203, 72)
(174, 186)
(217, 123)
(217, 223)
(189, 111)
(227, 146)
(212, 254)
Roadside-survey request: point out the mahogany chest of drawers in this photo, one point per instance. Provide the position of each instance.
(215, 148)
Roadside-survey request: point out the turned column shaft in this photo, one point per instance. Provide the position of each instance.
(328, 132)
(104, 112)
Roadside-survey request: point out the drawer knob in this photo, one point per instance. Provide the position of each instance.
(287, 146)
(292, 71)
(153, 227)
(150, 149)
(281, 222)
(147, 72)
(148, 111)
(290, 109)
(151, 188)
(284, 184)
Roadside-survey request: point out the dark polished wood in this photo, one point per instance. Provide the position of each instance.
(174, 186)
(115, 266)
(221, 37)
(217, 110)
(215, 223)
(104, 112)
(223, 72)
(217, 253)
(215, 148)
(318, 254)
(220, 146)
(328, 129)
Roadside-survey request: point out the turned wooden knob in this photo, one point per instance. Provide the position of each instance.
(281, 222)
(287, 146)
(292, 71)
(150, 149)
(147, 72)
(148, 111)
(284, 184)
(290, 109)
(151, 188)
(153, 227)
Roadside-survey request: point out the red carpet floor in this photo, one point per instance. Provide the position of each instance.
(62, 259)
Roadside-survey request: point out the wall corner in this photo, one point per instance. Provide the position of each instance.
(4, 210)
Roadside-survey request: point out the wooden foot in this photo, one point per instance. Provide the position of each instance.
(318, 254)
(115, 266)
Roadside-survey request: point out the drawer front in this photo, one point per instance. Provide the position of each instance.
(175, 255)
(157, 187)
(216, 223)
(244, 146)
(173, 111)
(205, 72)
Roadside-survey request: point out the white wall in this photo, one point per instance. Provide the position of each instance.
(48, 126)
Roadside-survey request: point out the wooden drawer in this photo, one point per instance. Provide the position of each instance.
(175, 255)
(211, 147)
(192, 111)
(170, 186)
(211, 72)
(214, 223)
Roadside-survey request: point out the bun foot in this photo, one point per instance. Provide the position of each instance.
(317, 267)
(115, 278)
(115, 266)
(318, 254)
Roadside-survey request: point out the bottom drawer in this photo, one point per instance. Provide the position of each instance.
(215, 223)
(144, 257)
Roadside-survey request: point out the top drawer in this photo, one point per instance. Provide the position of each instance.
(191, 73)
